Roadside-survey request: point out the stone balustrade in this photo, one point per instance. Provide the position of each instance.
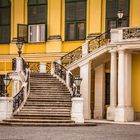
(125, 34)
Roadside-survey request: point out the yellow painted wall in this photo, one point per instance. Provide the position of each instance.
(136, 82)
(134, 13)
(71, 45)
(4, 49)
(5, 67)
(34, 48)
(94, 18)
(17, 17)
(54, 16)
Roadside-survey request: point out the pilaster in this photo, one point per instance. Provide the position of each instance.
(99, 92)
(85, 88)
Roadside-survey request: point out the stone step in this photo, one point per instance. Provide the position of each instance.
(49, 88)
(36, 76)
(47, 96)
(48, 104)
(44, 79)
(62, 114)
(42, 117)
(46, 110)
(37, 121)
(49, 99)
(71, 124)
(51, 95)
(46, 84)
(49, 91)
(59, 103)
(46, 107)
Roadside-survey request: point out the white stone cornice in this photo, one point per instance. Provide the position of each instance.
(89, 57)
(32, 57)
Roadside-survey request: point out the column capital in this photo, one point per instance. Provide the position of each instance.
(85, 63)
(121, 51)
(113, 50)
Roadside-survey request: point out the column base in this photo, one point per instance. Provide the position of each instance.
(124, 114)
(111, 113)
(6, 107)
(98, 113)
(77, 110)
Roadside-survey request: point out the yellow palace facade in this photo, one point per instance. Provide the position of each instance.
(53, 28)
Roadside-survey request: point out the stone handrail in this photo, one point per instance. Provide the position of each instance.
(64, 75)
(21, 96)
(85, 49)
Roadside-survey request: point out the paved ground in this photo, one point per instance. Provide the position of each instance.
(99, 132)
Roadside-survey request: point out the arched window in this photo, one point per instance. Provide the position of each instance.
(75, 19)
(5, 20)
(112, 8)
(37, 20)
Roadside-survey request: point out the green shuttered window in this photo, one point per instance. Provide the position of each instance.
(112, 8)
(37, 11)
(75, 20)
(37, 20)
(5, 19)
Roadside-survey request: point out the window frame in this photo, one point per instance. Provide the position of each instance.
(75, 22)
(37, 34)
(115, 18)
(39, 23)
(7, 25)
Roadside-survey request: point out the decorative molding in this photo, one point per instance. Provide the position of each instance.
(33, 57)
(92, 35)
(54, 37)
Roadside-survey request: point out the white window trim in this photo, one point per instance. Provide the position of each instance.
(37, 33)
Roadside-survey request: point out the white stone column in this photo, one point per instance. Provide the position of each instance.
(19, 64)
(85, 88)
(113, 86)
(99, 108)
(42, 67)
(124, 111)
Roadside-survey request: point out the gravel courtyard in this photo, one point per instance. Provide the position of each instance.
(99, 132)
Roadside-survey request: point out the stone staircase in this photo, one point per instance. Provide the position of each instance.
(49, 103)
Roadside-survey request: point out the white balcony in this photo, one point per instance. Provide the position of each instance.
(125, 34)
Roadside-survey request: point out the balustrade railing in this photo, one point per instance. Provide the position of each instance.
(34, 66)
(60, 71)
(98, 41)
(131, 33)
(93, 44)
(14, 64)
(64, 74)
(18, 99)
(72, 56)
(22, 94)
